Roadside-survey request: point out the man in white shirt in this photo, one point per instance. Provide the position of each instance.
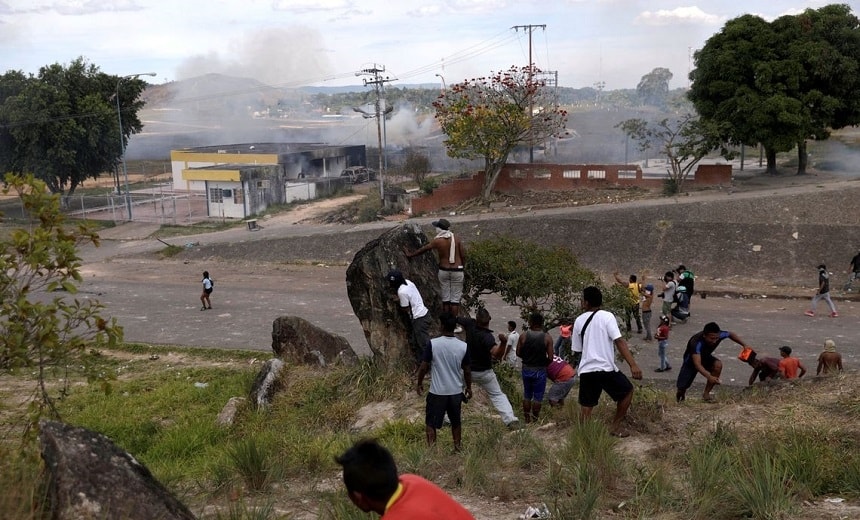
(595, 333)
(510, 341)
(412, 303)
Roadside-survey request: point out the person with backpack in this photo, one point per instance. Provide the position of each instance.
(686, 286)
(208, 285)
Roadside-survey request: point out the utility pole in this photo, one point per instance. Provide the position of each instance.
(530, 28)
(378, 83)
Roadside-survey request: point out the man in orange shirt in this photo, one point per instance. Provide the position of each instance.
(789, 366)
(372, 483)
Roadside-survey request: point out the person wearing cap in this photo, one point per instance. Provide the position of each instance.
(412, 303)
(790, 367)
(829, 360)
(452, 261)
(663, 345)
(823, 293)
(699, 359)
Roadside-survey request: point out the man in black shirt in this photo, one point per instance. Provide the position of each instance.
(480, 342)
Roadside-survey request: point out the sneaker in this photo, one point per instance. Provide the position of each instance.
(667, 369)
(202, 308)
(810, 313)
(515, 425)
(834, 314)
(659, 370)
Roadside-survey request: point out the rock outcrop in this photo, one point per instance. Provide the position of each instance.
(90, 478)
(386, 327)
(266, 384)
(298, 341)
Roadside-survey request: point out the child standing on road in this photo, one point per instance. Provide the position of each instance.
(647, 300)
(663, 339)
(207, 290)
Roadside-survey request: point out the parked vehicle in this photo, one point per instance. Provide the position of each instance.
(356, 174)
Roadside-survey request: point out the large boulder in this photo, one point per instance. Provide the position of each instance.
(298, 341)
(388, 330)
(89, 477)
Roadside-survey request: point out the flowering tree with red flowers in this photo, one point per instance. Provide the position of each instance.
(485, 118)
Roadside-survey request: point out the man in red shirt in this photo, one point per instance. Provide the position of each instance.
(372, 483)
(789, 366)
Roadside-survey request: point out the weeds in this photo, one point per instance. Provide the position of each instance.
(254, 460)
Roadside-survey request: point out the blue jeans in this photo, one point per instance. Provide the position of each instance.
(661, 353)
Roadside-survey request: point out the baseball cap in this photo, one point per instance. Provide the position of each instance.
(442, 224)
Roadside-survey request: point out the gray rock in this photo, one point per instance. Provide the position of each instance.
(89, 477)
(266, 384)
(228, 413)
(298, 341)
(388, 330)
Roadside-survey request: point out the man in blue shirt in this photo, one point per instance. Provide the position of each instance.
(699, 359)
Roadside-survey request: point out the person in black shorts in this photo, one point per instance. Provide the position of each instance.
(699, 359)
(596, 337)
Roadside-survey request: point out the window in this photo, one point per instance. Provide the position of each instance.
(238, 197)
(227, 194)
(541, 173)
(570, 174)
(626, 174)
(597, 174)
(517, 174)
(215, 195)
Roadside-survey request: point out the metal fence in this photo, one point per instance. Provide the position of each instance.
(153, 205)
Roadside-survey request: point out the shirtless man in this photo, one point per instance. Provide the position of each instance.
(452, 260)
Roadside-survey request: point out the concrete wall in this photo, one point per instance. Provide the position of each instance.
(516, 178)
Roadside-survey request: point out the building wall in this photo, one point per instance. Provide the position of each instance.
(516, 178)
(182, 160)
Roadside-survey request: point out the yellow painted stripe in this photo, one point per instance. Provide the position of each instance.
(210, 175)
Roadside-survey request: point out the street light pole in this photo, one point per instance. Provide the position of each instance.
(122, 137)
(444, 87)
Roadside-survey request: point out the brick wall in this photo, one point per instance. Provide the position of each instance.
(559, 177)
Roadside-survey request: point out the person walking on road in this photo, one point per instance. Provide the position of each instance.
(823, 293)
(208, 285)
(595, 333)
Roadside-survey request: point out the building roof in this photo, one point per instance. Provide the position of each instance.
(258, 148)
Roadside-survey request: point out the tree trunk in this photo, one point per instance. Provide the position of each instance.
(771, 161)
(802, 157)
(491, 175)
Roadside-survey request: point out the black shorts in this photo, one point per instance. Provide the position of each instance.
(439, 405)
(208, 291)
(591, 384)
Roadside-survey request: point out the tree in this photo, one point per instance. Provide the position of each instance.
(684, 140)
(485, 118)
(533, 278)
(781, 83)
(417, 164)
(653, 88)
(62, 124)
(42, 329)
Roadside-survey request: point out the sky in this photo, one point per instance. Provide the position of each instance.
(292, 43)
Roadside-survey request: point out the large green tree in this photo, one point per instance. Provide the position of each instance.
(485, 118)
(532, 277)
(62, 125)
(781, 83)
